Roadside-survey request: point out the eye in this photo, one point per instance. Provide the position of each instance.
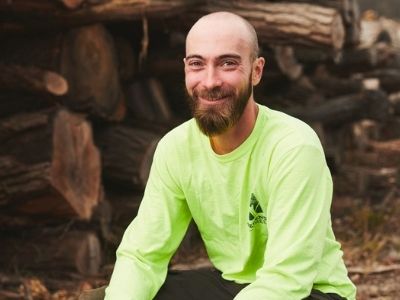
(195, 64)
(229, 64)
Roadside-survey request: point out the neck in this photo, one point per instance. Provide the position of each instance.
(235, 136)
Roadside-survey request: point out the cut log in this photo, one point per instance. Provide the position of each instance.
(41, 15)
(146, 102)
(395, 102)
(32, 79)
(289, 23)
(124, 207)
(90, 65)
(331, 86)
(389, 79)
(375, 29)
(350, 12)
(38, 8)
(369, 181)
(72, 251)
(369, 104)
(126, 59)
(127, 154)
(54, 162)
(14, 102)
(85, 57)
(287, 62)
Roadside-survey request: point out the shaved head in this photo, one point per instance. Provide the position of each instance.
(221, 67)
(227, 22)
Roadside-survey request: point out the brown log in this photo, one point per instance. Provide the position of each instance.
(72, 4)
(41, 16)
(367, 180)
(350, 12)
(72, 251)
(90, 65)
(357, 60)
(369, 104)
(147, 102)
(289, 23)
(124, 208)
(38, 8)
(126, 59)
(372, 159)
(32, 79)
(389, 79)
(85, 57)
(331, 86)
(127, 154)
(54, 162)
(287, 62)
(374, 29)
(395, 102)
(13, 102)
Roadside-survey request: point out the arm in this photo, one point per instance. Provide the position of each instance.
(152, 237)
(300, 191)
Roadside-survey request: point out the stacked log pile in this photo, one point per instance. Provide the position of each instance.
(89, 87)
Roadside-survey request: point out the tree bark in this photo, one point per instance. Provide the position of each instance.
(147, 102)
(127, 154)
(41, 15)
(289, 23)
(72, 251)
(350, 108)
(32, 79)
(389, 79)
(85, 57)
(350, 12)
(53, 162)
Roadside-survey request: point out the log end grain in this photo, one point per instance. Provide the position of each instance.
(75, 170)
(56, 84)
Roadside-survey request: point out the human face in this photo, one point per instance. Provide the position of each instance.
(218, 77)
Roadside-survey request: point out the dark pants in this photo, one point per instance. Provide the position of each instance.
(208, 284)
(199, 285)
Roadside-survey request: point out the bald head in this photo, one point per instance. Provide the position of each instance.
(226, 23)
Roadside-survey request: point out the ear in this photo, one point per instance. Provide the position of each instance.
(258, 67)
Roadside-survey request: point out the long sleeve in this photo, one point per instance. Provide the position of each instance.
(300, 191)
(152, 237)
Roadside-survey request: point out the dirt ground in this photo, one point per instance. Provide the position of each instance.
(367, 227)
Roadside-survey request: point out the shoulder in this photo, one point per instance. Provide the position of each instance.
(287, 132)
(178, 141)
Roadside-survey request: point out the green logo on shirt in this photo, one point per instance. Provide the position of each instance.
(256, 214)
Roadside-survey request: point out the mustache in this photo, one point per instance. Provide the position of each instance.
(213, 94)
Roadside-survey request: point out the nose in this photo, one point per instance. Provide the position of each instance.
(211, 78)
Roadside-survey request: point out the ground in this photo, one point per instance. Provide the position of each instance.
(367, 227)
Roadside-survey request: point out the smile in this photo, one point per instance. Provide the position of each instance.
(212, 101)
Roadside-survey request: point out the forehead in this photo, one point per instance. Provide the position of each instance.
(215, 38)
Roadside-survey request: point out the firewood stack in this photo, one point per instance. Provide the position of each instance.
(89, 87)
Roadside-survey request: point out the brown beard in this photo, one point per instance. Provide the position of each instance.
(216, 119)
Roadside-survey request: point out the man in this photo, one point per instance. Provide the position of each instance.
(254, 180)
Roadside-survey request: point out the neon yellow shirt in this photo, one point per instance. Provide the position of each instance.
(262, 211)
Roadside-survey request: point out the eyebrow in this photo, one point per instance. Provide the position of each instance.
(235, 56)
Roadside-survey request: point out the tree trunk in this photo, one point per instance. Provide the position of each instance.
(85, 57)
(389, 79)
(349, 10)
(127, 154)
(32, 79)
(54, 162)
(289, 23)
(350, 108)
(147, 102)
(72, 251)
(41, 15)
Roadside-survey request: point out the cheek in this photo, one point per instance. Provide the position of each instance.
(191, 81)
